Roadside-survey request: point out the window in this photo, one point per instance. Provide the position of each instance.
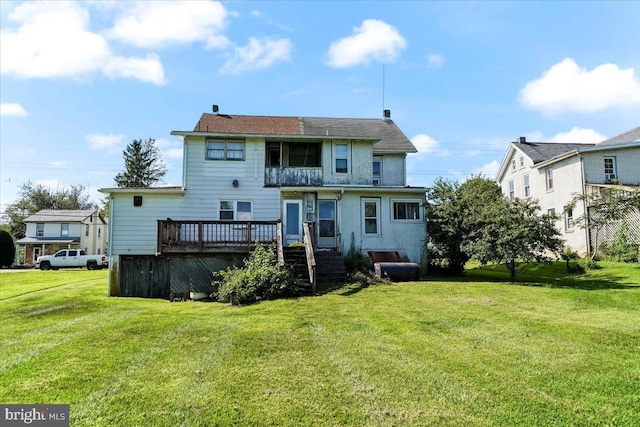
(406, 210)
(527, 186)
(73, 253)
(551, 212)
(64, 230)
(377, 170)
(137, 200)
(568, 219)
(609, 168)
(86, 230)
(549, 179)
(342, 165)
(513, 164)
(371, 216)
(39, 229)
(232, 210)
(512, 190)
(99, 232)
(521, 161)
(226, 211)
(225, 150)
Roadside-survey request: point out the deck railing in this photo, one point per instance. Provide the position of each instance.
(211, 236)
(292, 176)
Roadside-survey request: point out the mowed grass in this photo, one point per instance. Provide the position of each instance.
(472, 352)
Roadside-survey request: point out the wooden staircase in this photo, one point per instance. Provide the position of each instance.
(297, 258)
(330, 267)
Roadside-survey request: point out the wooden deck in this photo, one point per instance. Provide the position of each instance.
(185, 237)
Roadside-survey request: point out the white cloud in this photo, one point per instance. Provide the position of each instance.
(566, 87)
(158, 24)
(373, 40)
(578, 135)
(12, 109)
(110, 142)
(428, 145)
(435, 60)
(52, 40)
(488, 170)
(171, 149)
(258, 54)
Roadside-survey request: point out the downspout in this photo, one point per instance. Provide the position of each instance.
(112, 287)
(587, 235)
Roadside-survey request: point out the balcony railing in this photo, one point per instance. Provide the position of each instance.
(214, 236)
(292, 176)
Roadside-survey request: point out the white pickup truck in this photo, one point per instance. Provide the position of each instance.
(71, 258)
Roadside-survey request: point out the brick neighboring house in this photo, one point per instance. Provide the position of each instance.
(553, 173)
(323, 182)
(51, 230)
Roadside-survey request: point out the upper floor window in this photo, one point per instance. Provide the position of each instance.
(610, 168)
(549, 179)
(512, 190)
(403, 210)
(521, 161)
(64, 230)
(99, 232)
(86, 230)
(40, 229)
(527, 186)
(377, 170)
(513, 164)
(341, 158)
(225, 150)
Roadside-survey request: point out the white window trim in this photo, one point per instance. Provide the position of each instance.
(611, 175)
(513, 163)
(375, 200)
(521, 161)
(234, 203)
(334, 158)
(546, 179)
(512, 189)
(526, 177)
(378, 159)
(392, 203)
(568, 220)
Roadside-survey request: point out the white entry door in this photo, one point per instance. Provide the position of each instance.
(292, 221)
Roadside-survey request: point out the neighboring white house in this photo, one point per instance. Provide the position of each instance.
(243, 174)
(553, 173)
(48, 231)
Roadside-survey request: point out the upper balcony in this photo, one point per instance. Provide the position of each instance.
(293, 176)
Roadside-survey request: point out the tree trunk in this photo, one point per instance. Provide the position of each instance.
(511, 266)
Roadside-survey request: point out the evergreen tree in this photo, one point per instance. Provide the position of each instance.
(143, 165)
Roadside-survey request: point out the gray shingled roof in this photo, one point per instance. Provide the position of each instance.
(543, 151)
(632, 135)
(59, 215)
(386, 131)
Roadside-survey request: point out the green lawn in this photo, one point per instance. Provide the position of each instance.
(554, 350)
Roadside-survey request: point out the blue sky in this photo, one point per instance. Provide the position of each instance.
(80, 80)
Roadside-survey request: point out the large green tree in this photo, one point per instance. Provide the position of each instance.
(453, 217)
(143, 165)
(36, 197)
(474, 220)
(514, 232)
(7, 249)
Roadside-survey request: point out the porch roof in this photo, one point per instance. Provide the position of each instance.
(47, 240)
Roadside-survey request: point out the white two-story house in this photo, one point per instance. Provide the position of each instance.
(247, 178)
(48, 231)
(553, 173)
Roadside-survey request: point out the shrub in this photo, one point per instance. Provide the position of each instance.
(366, 278)
(570, 255)
(623, 249)
(354, 260)
(261, 278)
(589, 264)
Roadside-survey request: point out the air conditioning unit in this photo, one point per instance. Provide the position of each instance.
(376, 181)
(609, 176)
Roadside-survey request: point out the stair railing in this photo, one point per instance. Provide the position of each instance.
(309, 247)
